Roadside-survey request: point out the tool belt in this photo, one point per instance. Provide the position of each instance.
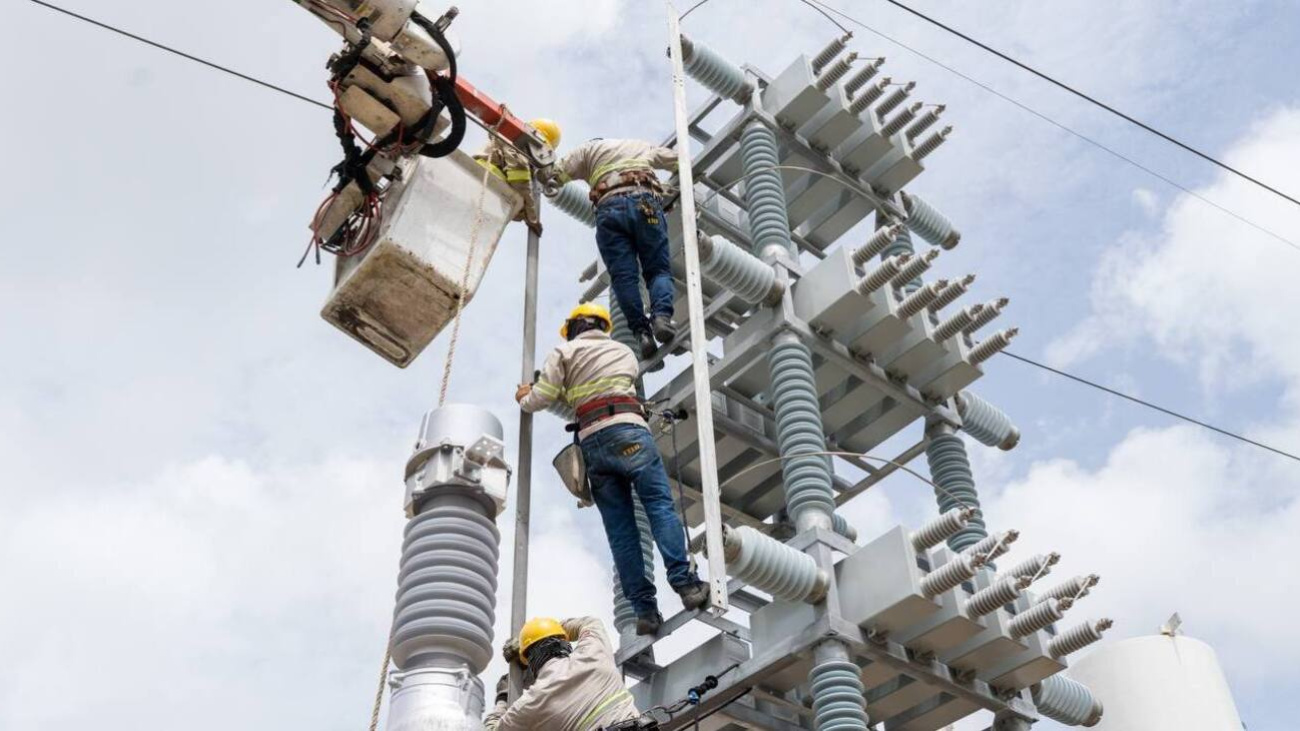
(598, 410)
(632, 181)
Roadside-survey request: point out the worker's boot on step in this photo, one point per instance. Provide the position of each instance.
(649, 624)
(646, 342)
(694, 595)
(662, 326)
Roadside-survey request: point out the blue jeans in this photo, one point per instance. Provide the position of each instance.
(622, 459)
(627, 236)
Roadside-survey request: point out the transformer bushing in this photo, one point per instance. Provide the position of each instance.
(955, 483)
(446, 597)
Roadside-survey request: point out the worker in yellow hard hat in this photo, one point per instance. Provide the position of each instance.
(576, 684)
(513, 166)
(596, 376)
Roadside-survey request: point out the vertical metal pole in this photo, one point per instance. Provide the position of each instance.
(524, 464)
(699, 339)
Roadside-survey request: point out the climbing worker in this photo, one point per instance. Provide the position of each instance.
(508, 163)
(631, 228)
(596, 376)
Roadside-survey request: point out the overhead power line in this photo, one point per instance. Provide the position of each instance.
(1093, 100)
(1028, 361)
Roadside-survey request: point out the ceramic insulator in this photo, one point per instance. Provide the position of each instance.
(1037, 617)
(917, 301)
(938, 530)
(995, 344)
(950, 575)
(1078, 637)
(883, 236)
(881, 275)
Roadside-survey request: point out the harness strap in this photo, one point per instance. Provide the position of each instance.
(598, 410)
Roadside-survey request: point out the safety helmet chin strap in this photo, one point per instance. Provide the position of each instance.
(543, 651)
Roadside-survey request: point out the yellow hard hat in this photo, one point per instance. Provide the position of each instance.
(587, 309)
(537, 629)
(549, 129)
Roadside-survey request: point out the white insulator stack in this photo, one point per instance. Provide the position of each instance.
(828, 54)
(865, 74)
(917, 301)
(988, 314)
(953, 325)
(916, 267)
(925, 121)
(1076, 588)
(1037, 617)
(881, 275)
(951, 575)
(1078, 637)
(836, 71)
(941, 528)
(1036, 566)
(771, 566)
(930, 144)
(870, 95)
(891, 102)
(995, 546)
(901, 120)
(993, 345)
(1000, 594)
(879, 241)
(953, 291)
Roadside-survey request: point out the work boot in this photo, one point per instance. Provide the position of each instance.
(646, 342)
(694, 595)
(649, 624)
(662, 326)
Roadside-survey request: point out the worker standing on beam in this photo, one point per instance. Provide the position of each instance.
(596, 375)
(511, 165)
(576, 686)
(631, 229)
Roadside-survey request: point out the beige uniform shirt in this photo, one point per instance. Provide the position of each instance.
(593, 160)
(581, 692)
(514, 166)
(589, 367)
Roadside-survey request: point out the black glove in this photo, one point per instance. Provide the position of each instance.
(503, 689)
(510, 651)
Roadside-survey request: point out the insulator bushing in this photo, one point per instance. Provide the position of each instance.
(952, 292)
(950, 575)
(769, 222)
(988, 424)
(891, 102)
(744, 274)
(1037, 617)
(925, 121)
(841, 525)
(835, 683)
(1036, 566)
(573, 200)
(996, 546)
(1074, 589)
(917, 301)
(988, 314)
(1067, 701)
(827, 54)
(953, 325)
(929, 223)
(809, 495)
(773, 567)
(995, 344)
(912, 270)
(883, 236)
(624, 614)
(865, 74)
(951, 472)
(869, 95)
(1078, 637)
(1000, 594)
(930, 144)
(938, 530)
(881, 275)
(715, 73)
(835, 72)
(901, 120)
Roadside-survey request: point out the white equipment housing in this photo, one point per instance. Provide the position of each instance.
(398, 295)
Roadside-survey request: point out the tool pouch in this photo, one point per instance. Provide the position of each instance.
(572, 469)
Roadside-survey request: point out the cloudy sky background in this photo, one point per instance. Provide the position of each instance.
(202, 478)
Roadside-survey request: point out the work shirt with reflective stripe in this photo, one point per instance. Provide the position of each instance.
(589, 367)
(512, 166)
(596, 159)
(581, 692)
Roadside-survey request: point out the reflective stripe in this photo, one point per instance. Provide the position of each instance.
(635, 163)
(610, 383)
(549, 390)
(590, 718)
(495, 170)
(518, 175)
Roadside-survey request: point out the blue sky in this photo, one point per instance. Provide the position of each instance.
(203, 478)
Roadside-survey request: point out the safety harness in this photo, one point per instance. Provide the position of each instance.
(637, 180)
(598, 410)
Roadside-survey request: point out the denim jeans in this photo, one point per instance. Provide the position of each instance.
(623, 459)
(632, 235)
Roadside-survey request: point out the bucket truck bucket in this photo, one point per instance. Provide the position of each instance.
(396, 297)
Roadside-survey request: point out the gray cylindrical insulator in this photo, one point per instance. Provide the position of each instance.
(937, 531)
(995, 344)
(950, 470)
(841, 526)
(446, 594)
(990, 313)
(930, 144)
(714, 72)
(925, 121)
(996, 546)
(573, 200)
(809, 496)
(929, 223)
(901, 120)
(911, 272)
(1036, 566)
(769, 222)
(621, 333)
(827, 54)
(950, 575)
(881, 275)
(902, 244)
(883, 237)
(917, 301)
(869, 95)
(771, 566)
(952, 292)
(1067, 701)
(1000, 594)
(839, 703)
(1037, 617)
(1078, 637)
(836, 71)
(624, 614)
(865, 74)
(891, 102)
(950, 328)
(988, 424)
(1075, 588)
(741, 272)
